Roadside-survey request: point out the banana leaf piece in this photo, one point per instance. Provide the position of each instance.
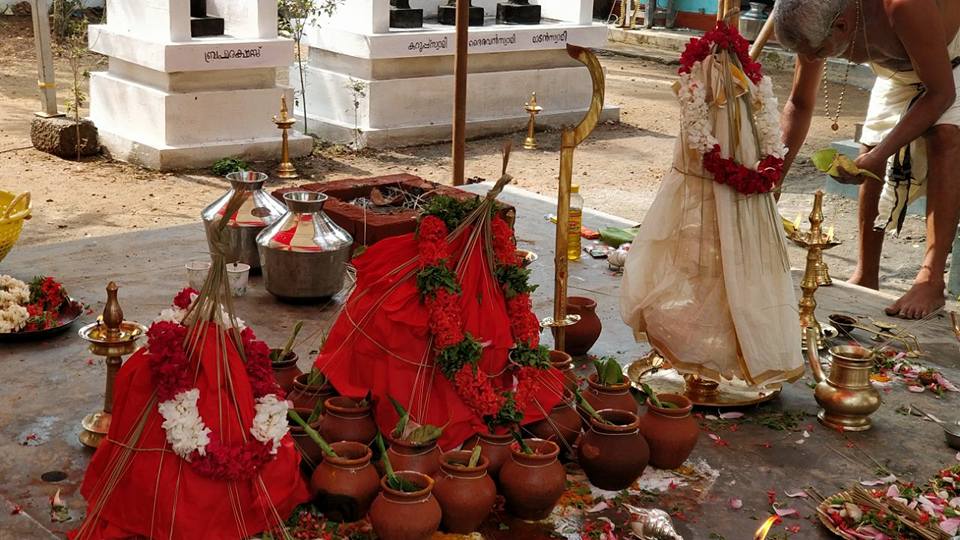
(615, 236)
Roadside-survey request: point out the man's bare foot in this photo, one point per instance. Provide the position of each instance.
(870, 282)
(925, 297)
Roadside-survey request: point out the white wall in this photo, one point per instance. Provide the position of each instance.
(87, 3)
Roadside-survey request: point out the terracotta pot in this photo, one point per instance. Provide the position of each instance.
(496, 448)
(584, 333)
(563, 423)
(396, 515)
(466, 494)
(310, 451)
(563, 363)
(307, 397)
(533, 483)
(285, 370)
(345, 420)
(613, 455)
(345, 486)
(671, 433)
(407, 456)
(609, 396)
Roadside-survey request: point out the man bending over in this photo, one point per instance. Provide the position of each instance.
(911, 135)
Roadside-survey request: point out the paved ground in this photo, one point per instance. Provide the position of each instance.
(49, 386)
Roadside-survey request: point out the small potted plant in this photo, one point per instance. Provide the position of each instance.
(670, 429)
(310, 389)
(284, 361)
(612, 453)
(465, 491)
(406, 508)
(608, 388)
(311, 453)
(533, 480)
(344, 483)
(414, 447)
(562, 424)
(348, 419)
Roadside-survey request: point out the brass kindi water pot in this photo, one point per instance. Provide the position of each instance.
(846, 396)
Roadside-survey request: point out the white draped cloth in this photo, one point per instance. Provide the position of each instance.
(707, 280)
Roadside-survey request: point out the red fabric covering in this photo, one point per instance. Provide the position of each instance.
(157, 491)
(379, 342)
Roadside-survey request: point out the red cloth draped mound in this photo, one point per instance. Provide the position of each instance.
(156, 494)
(380, 341)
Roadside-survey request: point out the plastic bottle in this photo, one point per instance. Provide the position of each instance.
(574, 224)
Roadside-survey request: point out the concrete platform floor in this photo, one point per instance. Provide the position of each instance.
(47, 387)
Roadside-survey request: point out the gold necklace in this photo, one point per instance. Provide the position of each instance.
(835, 126)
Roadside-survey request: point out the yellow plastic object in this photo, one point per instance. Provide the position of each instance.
(14, 209)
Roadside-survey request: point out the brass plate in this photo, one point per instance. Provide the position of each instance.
(663, 379)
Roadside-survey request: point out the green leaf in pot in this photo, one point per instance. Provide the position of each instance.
(424, 434)
(402, 422)
(613, 373)
(394, 481)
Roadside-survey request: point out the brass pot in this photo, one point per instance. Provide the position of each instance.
(846, 396)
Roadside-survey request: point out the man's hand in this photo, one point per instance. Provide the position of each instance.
(868, 161)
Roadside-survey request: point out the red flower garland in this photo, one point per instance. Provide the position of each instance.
(725, 170)
(173, 373)
(446, 325)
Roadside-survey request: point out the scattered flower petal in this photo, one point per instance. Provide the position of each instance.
(880, 481)
(731, 415)
(915, 389)
(794, 494)
(950, 526)
(784, 512)
(599, 507)
(736, 504)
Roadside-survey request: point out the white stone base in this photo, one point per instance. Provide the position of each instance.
(165, 158)
(440, 132)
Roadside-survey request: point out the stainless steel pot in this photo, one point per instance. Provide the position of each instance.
(259, 209)
(304, 254)
(752, 21)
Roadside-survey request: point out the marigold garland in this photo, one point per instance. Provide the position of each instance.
(457, 352)
(174, 380)
(727, 171)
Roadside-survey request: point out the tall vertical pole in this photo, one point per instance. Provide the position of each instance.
(460, 93)
(46, 83)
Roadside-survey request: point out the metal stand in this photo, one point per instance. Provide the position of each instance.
(286, 170)
(110, 337)
(530, 143)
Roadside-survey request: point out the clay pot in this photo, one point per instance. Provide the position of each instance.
(583, 334)
(345, 486)
(466, 494)
(406, 456)
(613, 455)
(310, 451)
(345, 420)
(671, 433)
(533, 483)
(563, 423)
(496, 448)
(563, 363)
(396, 515)
(609, 396)
(307, 397)
(285, 370)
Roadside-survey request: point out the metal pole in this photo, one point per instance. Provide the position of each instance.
(460, 93)
(46, 82)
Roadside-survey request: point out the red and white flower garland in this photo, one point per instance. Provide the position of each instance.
(186, 432)
(695, 115)
(457, 352)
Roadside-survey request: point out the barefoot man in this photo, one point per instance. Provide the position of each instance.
(911, 135)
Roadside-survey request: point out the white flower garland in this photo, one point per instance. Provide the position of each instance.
(175, 314)
(184, 427)
(13, 295)
(695, 116)
(187, 433)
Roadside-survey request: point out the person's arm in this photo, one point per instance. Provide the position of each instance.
(917, 24)
(798, 110)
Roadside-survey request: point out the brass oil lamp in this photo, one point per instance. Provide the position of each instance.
(110, 337)
(284, 122)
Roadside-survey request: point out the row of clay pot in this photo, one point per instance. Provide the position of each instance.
(614, 453)
(346, 487)
(343, 419)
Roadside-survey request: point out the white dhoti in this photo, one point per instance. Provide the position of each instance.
(707, 280)
(892, 95)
